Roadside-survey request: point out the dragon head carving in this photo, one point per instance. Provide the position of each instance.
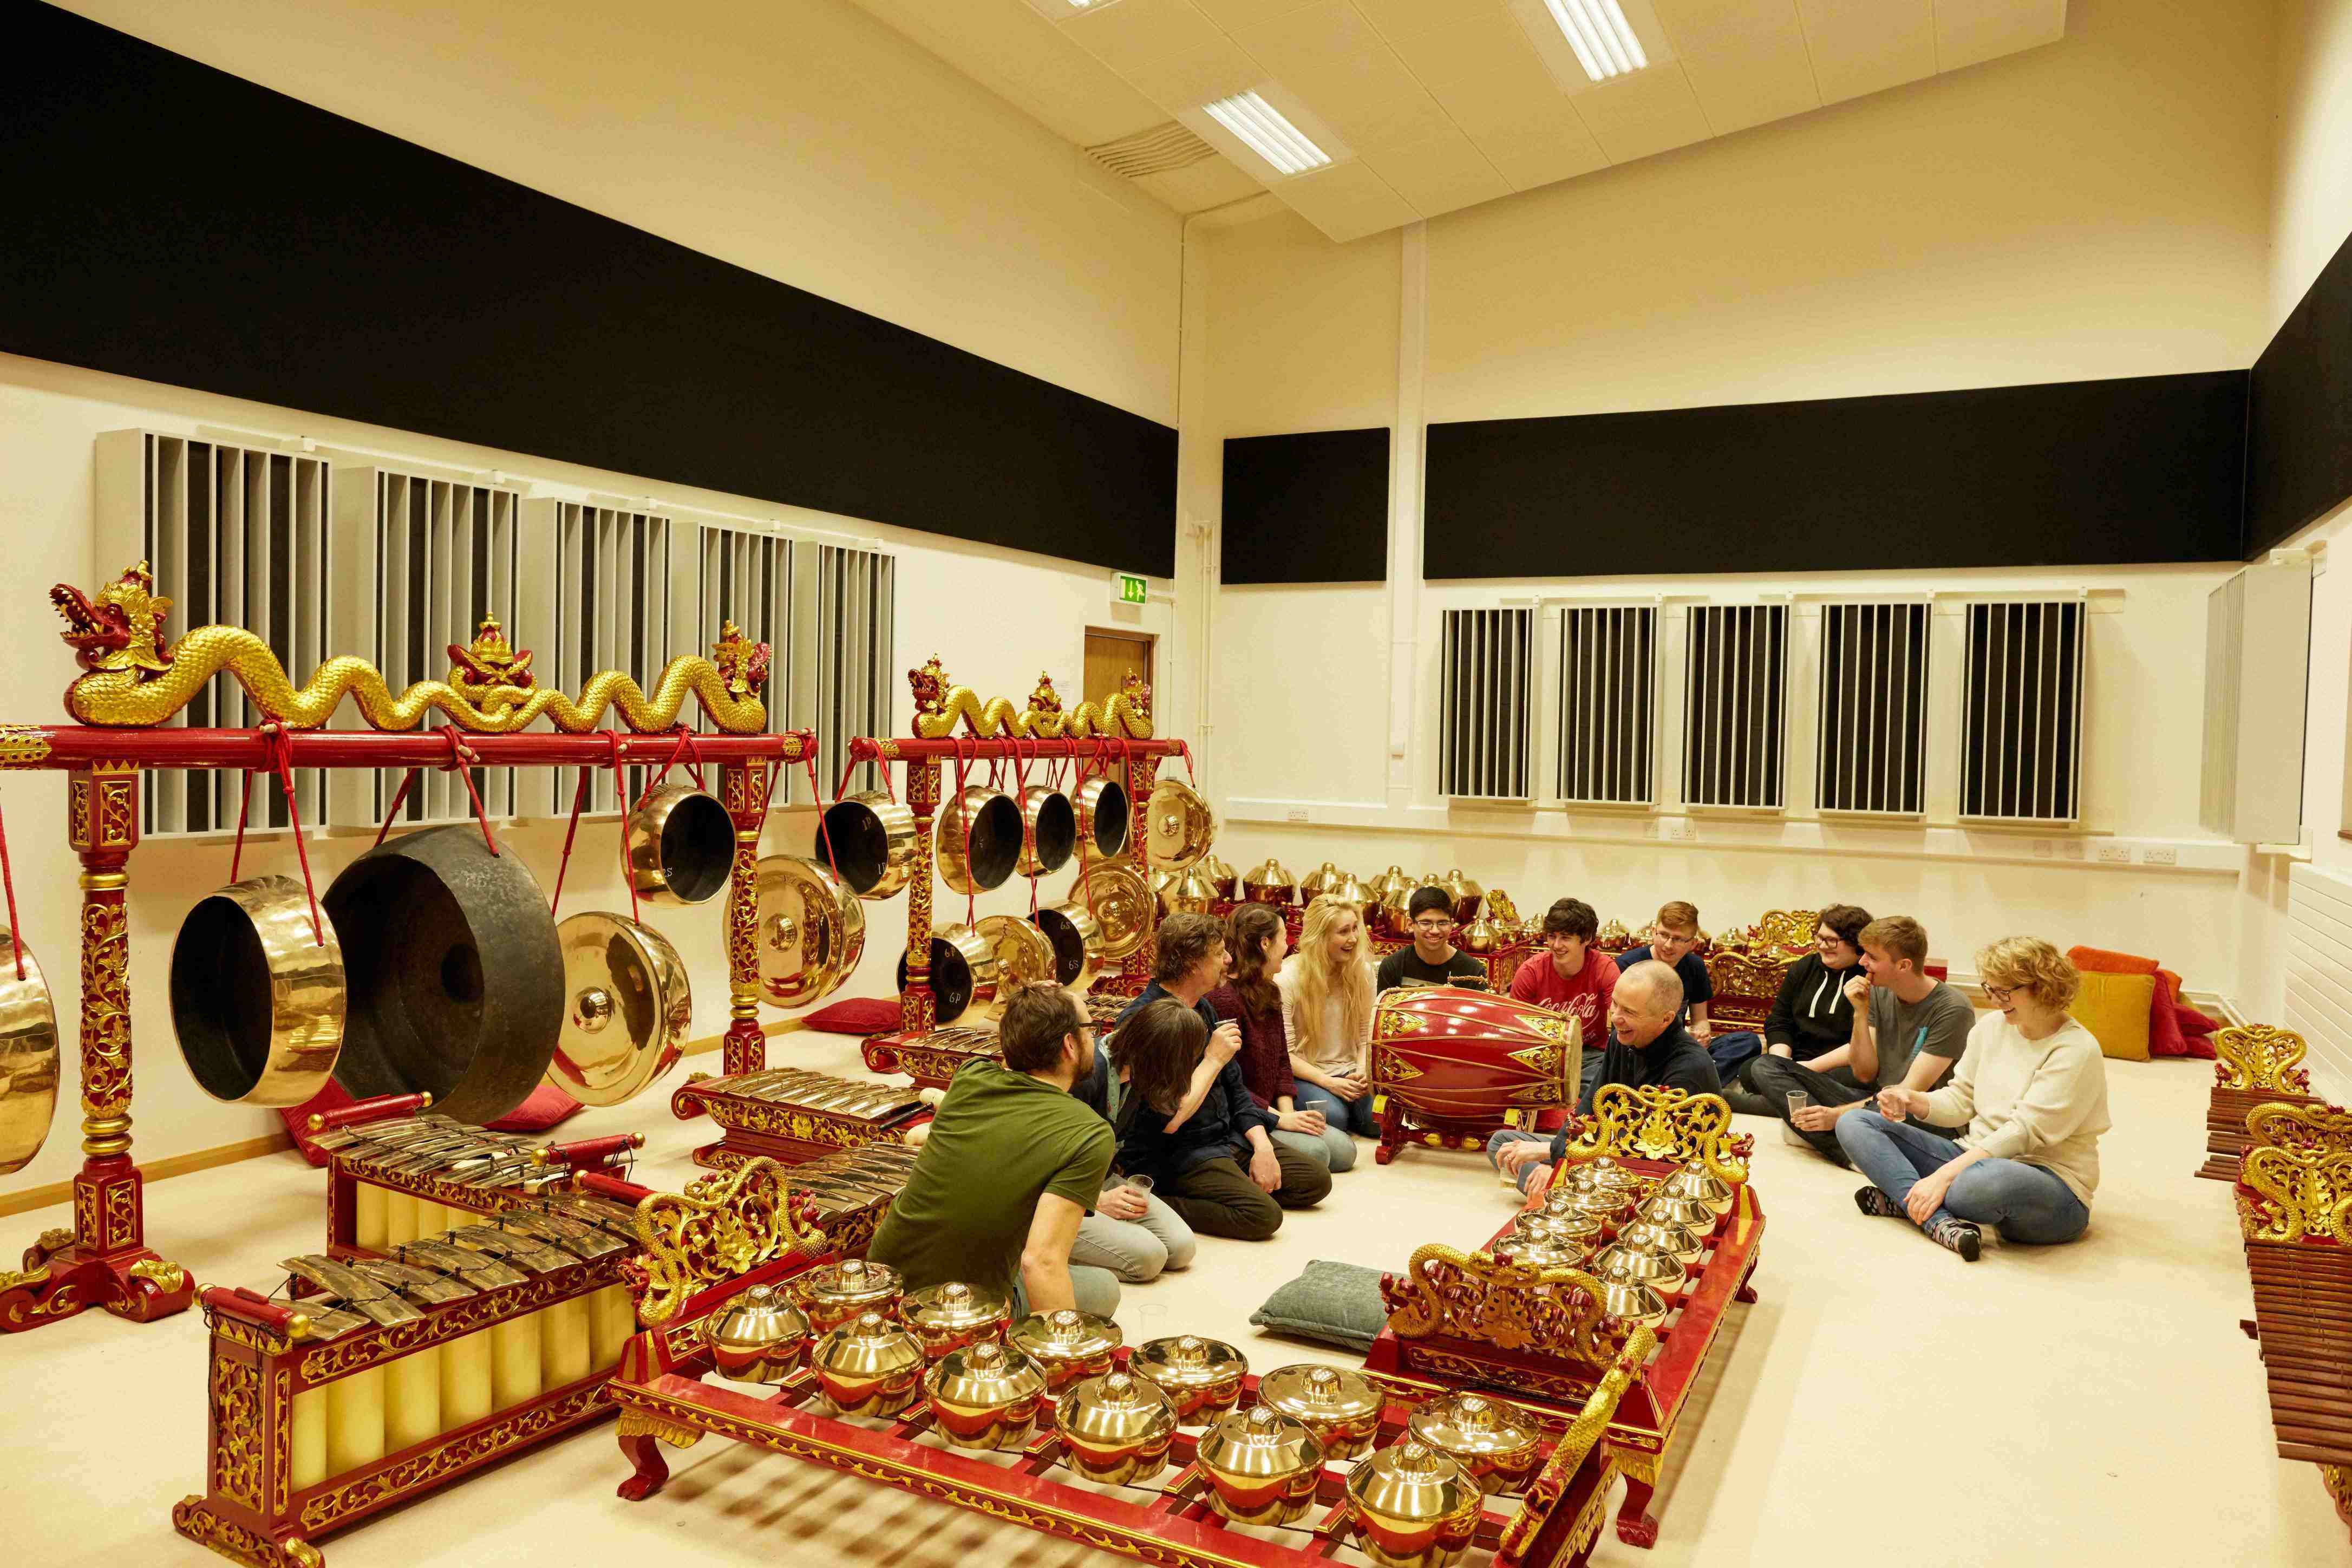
(743, 663)
(490, 661)
(1045, 700)
(119, 627)
(1137, 692)
(931, 686)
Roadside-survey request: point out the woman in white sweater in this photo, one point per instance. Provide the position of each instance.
(2031, 1087)
(1326, 1015)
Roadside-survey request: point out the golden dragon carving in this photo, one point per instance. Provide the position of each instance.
(941, 705)
(133, 679)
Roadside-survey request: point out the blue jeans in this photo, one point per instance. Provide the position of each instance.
(2024, 1202)
(1732, 1051)
(1510, 1135)
(1332, 1148)
(1133, 1251)
(1347, 1115)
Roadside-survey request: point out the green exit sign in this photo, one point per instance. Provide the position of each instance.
(1131, 589)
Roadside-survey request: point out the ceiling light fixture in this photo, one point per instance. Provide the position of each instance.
(1603, 40)
(1262, 129)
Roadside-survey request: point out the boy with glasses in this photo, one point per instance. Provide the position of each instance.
(1432, 959)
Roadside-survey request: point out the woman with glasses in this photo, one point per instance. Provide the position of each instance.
(1327, 1015)
(1813, 1017)
(1432, 959)
(2031, 1089)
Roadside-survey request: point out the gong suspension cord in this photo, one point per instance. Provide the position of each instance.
(278, 757)
(824, 832)
(1021, 798)
(579, 799)
(399, 795)
(970, 883)
(1085, 830)
(8, 881)
(620, 798)
(463, 761)
(685, 748)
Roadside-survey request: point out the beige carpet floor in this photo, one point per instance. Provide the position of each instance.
(1882, 1403)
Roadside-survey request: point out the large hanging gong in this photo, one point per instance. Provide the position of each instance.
(257, 998)
(1178, 827)
(873, 840)
(455, 975)
(28, 1058)
(1103, 816)
(629, 1008)
(811, 932)
(1121, 901)
(1076, 938)
(1023, 958)
(964, 970)
(681, 846)
(1049, 830)
(979, 839)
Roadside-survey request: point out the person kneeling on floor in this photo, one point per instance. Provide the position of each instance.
(1647, 1046)
(2032, 1088)
(1008, 1168)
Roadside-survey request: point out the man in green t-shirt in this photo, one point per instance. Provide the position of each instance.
(1009, 1166)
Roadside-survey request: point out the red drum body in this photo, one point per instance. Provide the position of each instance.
(1452, 1065)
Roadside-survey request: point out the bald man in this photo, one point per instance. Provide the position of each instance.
(1647, 1045)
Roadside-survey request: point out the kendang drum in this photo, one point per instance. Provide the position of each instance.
(681, 846)
(257, 994)
(629, 1011)
(1452, 1054)
(811, 932)
(874, 842)
(28, 1058)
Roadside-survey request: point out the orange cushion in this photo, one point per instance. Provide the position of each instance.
(2099, 961)
(2115, 1008)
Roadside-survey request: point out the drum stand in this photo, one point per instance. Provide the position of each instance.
(104, 1260)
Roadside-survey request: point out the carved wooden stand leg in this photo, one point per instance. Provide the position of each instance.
(744, 789)
(1391, 1116)
(1635, 1527)
(919, 1010)
(641, 1437)
(105, 1261)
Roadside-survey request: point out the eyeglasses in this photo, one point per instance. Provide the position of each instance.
(1434, 926)
(1999, 996)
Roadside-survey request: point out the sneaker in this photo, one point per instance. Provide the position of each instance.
(1871, 1201)
(1959, 1235)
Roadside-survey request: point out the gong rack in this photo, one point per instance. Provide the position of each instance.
(104, 1260)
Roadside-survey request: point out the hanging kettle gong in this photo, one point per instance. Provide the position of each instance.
(1049, 830)
(1103, 816)
(1121, 901)
(629, 1011)
(874, 842)
(454, 973)
(810, 932)
(979, 839)
(681, 846)
(1077, 939)
(28, 1058)
(1178, 827)
(256, 999)
(963, 969)
(1023, 958)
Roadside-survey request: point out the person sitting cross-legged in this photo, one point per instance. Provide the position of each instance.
(1647, 1046)
(1571, 977)
(1327, 1016)
(2031, 1089)
(1256, 942)
(1674, 939)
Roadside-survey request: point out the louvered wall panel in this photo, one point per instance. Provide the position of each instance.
(597, 591)
(1871, 715)
(1485, 692)
(1734, 706)
(747, 577)
(234, 536)
(1608, 704)
(857, 629)
(2021, 712)
(2319, 974)
(423, 559)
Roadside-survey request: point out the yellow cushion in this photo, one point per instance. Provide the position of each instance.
(2114, 1007)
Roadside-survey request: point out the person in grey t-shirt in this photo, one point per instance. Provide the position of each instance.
(1907, 1030)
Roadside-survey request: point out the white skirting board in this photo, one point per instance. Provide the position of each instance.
(2320, 974)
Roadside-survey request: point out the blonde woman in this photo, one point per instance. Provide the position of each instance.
(2030, 1089)
(1327, 1015)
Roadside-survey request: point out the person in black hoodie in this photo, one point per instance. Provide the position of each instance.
(1812, 1018)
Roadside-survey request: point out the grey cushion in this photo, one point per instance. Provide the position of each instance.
(1331, 1303)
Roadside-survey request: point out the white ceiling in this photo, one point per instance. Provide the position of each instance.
(1439, 104)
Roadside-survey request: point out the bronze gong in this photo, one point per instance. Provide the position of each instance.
(979, 837)
(28, 1058)
(1178, 827)
(811, 932)
(256, 999)
(874, 842)
(1049, 830)
(1103, 816)
(1076, 938)
(964, 971)
(681, 846)
(454, 973)
(1023, 958)
(1120, 900)
(629, 1010)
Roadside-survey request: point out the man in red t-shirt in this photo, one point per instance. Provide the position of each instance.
(1569, 976)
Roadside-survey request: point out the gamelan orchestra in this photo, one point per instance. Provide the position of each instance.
(917, 1273)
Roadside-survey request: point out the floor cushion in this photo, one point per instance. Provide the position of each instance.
(2115, 1008)
(856, 1016)
(1331, 1303)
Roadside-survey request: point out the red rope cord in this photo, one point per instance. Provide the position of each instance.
(9, 879)
(461, 761)
(398, 797)
(277, 744)
(971, 895)
(579, 799)
(824, 833)
(621, 799)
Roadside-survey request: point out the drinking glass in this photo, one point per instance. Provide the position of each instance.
(1141, 1183)
(1798, 1101)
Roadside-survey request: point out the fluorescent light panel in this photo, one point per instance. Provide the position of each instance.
(1262, 129)
(1603, 40)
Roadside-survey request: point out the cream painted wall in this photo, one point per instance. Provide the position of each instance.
(801, 138)
(1302, 333)
(2312, 204)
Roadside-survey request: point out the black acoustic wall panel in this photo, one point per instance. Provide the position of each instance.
(169, 221)
(1308, 507)
(2073, 474)
(2299, 414)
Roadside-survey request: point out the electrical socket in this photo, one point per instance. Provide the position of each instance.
(1295, 814)
(2160, 854)
(2116, 854)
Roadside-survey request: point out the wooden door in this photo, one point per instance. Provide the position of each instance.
(1111, 657)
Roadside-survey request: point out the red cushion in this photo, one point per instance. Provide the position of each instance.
(541, 1109)
(2164, 1037)
(2195, 1028)
(2100, 961)
(857, 1015)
